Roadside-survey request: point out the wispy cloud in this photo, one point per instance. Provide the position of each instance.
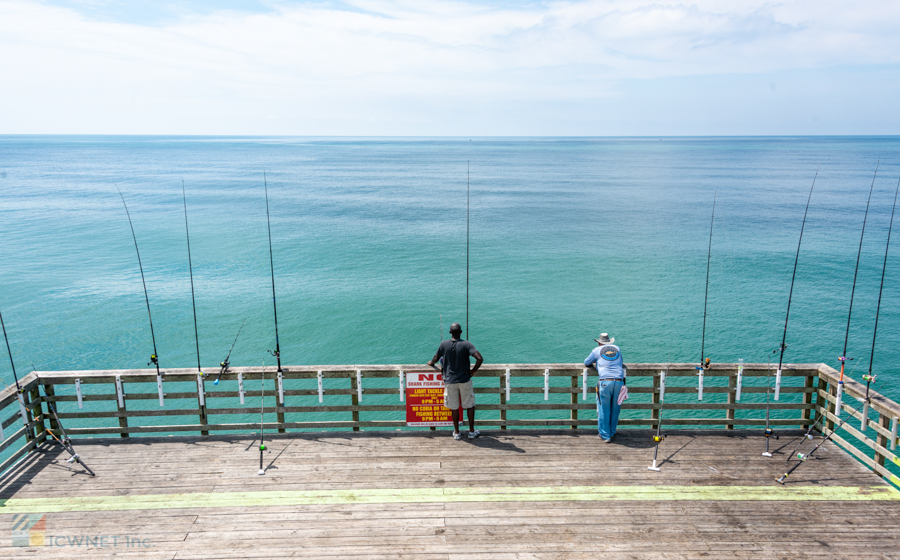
(308, 64)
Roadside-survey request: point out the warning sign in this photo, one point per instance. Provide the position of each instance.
(425, 400)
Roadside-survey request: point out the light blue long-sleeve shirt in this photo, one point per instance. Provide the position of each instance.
(608, 360)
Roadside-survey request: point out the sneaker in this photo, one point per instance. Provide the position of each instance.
(475, 434)
(457, 435)
(605, 440)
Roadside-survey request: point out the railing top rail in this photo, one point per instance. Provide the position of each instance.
(856, 389)
(634, 369)
(8, 394)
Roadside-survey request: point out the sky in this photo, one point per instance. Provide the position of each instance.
(450, 68)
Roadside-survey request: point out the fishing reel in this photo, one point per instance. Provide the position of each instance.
(843, 359)
(770, 433)
(803, 457)
(275, 353)
(869, 378)
(703, 365)
(153, 360)
(659, 438)
(262, 447)
(224, 365)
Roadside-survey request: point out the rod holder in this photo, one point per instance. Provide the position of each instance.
(402, 392)
(865, 417)
(662, 386)
(777, 384)
(320, 387)
(120, 391)
(894, 422)
(159, 390)
(838, 399)
(654, 467)
(281, 388)
(78, 393)
(584, 378)
(508, 388)
(201, 393)
(241, 386)
(740, 380)
(700, 385)
(547, 384)
(359, 385)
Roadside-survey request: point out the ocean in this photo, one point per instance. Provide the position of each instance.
(568, 237)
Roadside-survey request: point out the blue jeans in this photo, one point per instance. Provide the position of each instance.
(608, 407)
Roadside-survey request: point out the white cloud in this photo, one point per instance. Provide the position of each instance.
(307, 65)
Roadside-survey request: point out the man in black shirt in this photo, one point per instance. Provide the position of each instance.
(457, 374)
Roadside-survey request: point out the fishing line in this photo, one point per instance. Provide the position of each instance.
(704, 365)
(191, 270)
(8, 351)
(193, 301)
(843, 358)
(153, 357)
(223, 365)
(783, 346)
(467, 254)
(277, 351)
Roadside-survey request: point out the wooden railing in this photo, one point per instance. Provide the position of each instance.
(128, 402)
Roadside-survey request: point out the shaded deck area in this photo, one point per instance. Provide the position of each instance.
(511, 494)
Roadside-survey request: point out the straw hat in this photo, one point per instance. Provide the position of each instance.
(605, 339)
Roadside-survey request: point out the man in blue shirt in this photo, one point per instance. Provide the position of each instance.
(457, 373)
(611, 371)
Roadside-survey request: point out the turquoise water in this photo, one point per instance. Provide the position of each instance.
(569, 237)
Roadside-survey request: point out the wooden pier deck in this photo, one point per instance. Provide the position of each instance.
(510, 494)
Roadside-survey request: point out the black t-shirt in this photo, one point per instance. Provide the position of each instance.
(455, 354)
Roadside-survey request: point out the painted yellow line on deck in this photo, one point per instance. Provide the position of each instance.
(445, 495)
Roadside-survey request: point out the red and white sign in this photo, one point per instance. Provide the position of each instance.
(425, 400)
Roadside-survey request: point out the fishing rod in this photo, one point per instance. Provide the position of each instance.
(869, 377)
(467, 254)
(225, 363)
(65, 441)
(9, 351)
(804, 457)
(843, 358)
(20, 393)
(262, 400)
(659, 437)
(193, 302)
(277, 351)
(153, 357)
(704, 364)
(769, 431)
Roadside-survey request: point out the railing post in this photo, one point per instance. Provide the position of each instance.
(503, 401)
(120, 405)
(654, 398)
(201, 403)
(885, 423)
(50, 392)
(279, 401)
(807, 400)
(729, 413)
(573, 414)
(827, 405)
(39, 426)
(354, 399)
